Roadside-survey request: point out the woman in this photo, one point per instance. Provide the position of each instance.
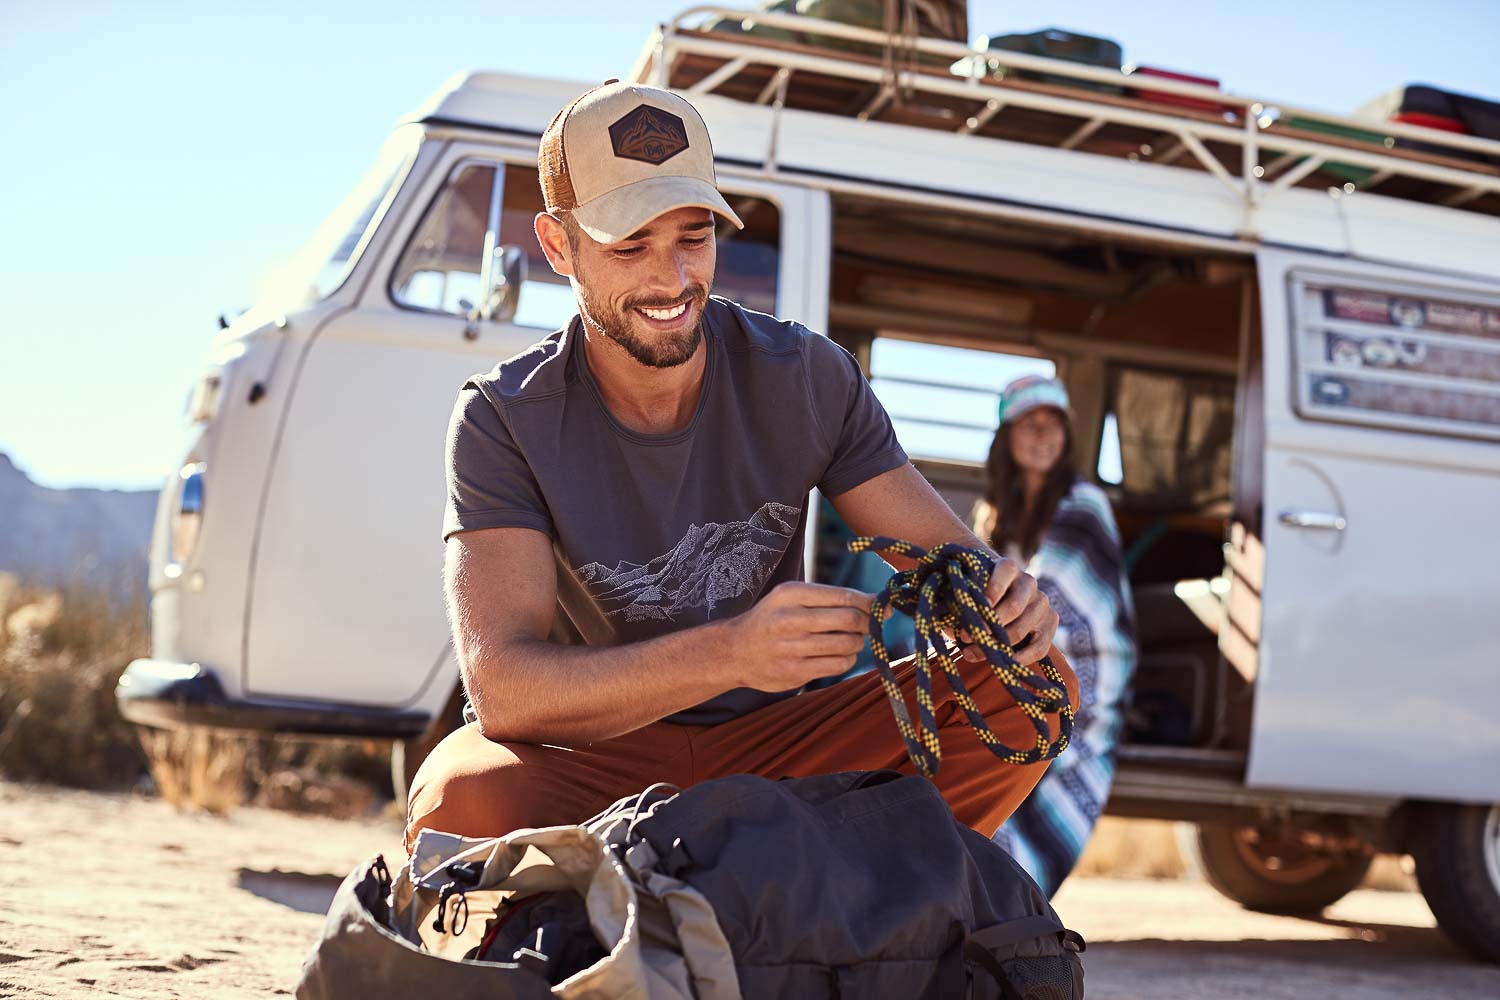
(1040, 512)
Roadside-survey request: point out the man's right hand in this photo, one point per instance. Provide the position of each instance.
(797, 633)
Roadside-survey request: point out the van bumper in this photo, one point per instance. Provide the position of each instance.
(169, 695)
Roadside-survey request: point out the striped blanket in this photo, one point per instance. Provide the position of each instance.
(1080, 568)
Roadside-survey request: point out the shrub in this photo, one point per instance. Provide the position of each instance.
(60, 656)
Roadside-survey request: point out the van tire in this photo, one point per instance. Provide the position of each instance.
(1457, 852)
(1234, 861)
(407, 755)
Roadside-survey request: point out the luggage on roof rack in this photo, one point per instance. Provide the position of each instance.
(945, 19)
(1062, 89)
(1055, 43)
(1462, 114)
(1177, 100)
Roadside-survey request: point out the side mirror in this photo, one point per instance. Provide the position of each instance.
(510, 275)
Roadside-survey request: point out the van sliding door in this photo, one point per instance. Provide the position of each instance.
(1377, 668)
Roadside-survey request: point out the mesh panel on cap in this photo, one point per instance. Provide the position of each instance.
(552, 165)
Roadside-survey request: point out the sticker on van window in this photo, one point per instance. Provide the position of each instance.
(1401, 354)
(1428, 402)
(1411, 313)
(1365, 307)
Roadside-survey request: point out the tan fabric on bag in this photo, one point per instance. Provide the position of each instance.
(640, 932)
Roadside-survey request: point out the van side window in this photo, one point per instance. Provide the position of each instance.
(748, 259)
(1412, 359)
(944, 401)
(349, 224)
(440, 268)
(1171, 433)
(1109, 469)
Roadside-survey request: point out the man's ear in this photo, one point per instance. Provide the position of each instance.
(554, 242)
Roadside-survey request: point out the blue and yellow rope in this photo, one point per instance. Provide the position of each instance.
(944, 592)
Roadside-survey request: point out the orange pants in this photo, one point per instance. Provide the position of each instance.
(473, 786)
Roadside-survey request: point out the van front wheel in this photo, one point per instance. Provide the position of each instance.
(1457, 851)
(407, 755)
(1276, 870)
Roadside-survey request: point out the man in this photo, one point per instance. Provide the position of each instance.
(626, 511)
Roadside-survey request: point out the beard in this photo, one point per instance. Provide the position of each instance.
(649, 347)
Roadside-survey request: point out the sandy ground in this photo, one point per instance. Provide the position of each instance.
(122, 896)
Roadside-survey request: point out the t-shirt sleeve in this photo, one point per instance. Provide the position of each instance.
(862, 443)
(490, 485)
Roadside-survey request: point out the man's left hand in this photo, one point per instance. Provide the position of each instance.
(1030, 623)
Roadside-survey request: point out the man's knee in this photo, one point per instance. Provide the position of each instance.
(473, 787)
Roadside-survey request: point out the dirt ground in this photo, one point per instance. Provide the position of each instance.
(121, 896)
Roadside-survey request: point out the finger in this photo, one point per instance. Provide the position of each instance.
(1005, 571)
(1032, 650)
(1038, 638)
(1029, 622)
(823, 595)
(1018, 597)
(830, 644)
(815, 667)
(832, 620)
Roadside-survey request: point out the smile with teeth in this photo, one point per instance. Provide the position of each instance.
(666, 314)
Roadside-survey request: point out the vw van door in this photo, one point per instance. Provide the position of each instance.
(1378, 671)
(346, 598)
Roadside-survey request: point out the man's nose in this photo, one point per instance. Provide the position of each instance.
(672, 274)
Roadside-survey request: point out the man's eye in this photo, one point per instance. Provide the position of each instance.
(628, 251)
(698, 242)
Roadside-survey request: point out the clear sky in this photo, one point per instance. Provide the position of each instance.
(157, 158)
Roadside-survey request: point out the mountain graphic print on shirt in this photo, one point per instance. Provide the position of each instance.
(710, 565)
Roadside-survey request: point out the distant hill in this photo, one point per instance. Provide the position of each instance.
(62, 537)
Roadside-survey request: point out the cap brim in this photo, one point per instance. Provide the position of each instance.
(614, 216)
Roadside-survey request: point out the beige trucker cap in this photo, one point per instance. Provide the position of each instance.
(622, 154)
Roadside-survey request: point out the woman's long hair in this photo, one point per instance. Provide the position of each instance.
(1002, 516)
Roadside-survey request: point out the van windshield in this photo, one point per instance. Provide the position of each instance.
(320, 267)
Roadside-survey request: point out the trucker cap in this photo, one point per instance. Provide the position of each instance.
(622, 154)
(1029, 392)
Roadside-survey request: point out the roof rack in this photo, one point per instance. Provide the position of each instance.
(1256, 148)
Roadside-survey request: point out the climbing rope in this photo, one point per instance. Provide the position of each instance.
(944, 592)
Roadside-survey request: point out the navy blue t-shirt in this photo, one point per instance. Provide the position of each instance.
(657, 533)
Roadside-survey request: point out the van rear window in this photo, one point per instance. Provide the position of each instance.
(944, 400)
(1167, 435)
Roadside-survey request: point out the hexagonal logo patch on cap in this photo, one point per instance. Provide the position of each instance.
(648, 134)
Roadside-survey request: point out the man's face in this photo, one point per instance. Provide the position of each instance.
(647, 292)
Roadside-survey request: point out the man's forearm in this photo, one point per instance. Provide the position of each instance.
(536, 691)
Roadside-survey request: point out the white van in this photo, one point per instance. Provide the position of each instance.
(1282, 340)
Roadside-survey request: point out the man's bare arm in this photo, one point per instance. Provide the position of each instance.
(902, 504)
(501, 586)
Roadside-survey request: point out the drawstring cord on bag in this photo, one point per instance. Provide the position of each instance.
(944, 592)
(465, 876)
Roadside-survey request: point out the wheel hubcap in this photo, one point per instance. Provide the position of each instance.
(1281, 859)
(1490, 843)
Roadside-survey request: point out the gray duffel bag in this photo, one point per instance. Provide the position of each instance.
(860, 884)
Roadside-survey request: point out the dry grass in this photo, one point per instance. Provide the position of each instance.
(216, 771)
(1132, 848)
(61, 654)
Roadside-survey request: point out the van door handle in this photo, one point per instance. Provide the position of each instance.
(1313, 519)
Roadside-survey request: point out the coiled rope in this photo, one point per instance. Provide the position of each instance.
(944, 592)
